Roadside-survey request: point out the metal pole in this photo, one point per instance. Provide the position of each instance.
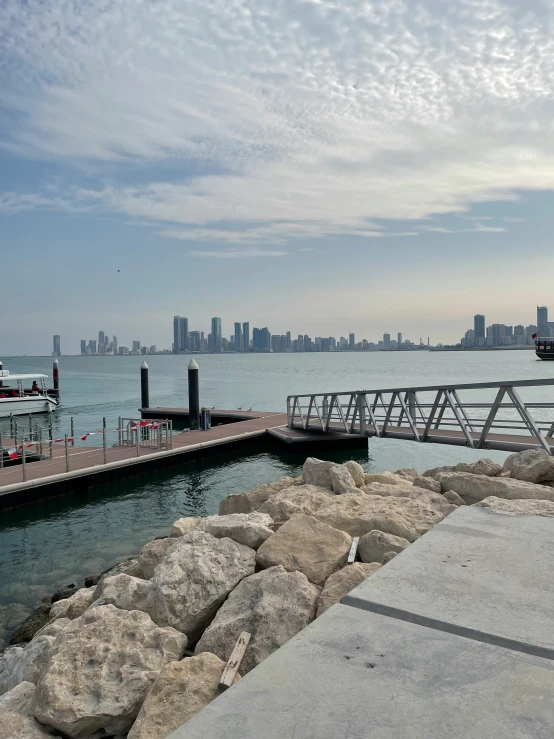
(138, 440)
(119, 432)
(104, 440)
(30, 427)
(23, 463)
(11, 425)
(144, 394)
(171, 434)
(40, 440)
(72, 432)
(1, 450)
(66, 455)
(194, 395)
(50, 437)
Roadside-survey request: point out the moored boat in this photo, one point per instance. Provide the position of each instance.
(544, 347)
(24, 394)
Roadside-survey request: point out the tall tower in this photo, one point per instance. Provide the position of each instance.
(57, 349)
(479, 327)
(216, 333)
(238, 337)
(543, 329)
(176, 340)
(183, 334)
(246, 336)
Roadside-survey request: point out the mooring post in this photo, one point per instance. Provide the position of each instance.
(104, 440)
(72, 432)
(144, 394)
(66, 454)
(194, 395)
(56, 377)
(23, 462)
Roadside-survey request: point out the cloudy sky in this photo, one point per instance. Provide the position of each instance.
(318, 166)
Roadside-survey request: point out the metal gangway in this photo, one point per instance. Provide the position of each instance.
(489, 415)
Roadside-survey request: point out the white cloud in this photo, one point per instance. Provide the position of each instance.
(299, 119)
(238, 254)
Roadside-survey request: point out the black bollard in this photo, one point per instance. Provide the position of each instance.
(194, 395)
(56, 377)
(144, 394)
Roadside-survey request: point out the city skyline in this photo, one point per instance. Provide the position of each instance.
(323, 167)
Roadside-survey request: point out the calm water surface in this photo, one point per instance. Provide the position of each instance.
(62, 540)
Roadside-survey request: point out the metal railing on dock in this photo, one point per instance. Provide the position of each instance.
(434, 414)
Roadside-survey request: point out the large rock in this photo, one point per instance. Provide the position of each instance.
(317, 472)
(483, 466)
(532, 465)
(273, 605)
(453, 498)
(250, 529)
(152, 554)
(253, 499)
(24, 664)
(358, 514)
(127, 567)
(195, 578)
(183, 525)
(12, 616)
(527, 507)
(100, 670)
(414, 492)
(387, 478)
(410, 473)
(342, 582)
(341, 480)
(291, 500)
(357, 472)
(18, 699)
(373, 546)
(17, 726)
(303, 543)
(474, 488)
(122, 591)
(428, 483)
(74, 606)
(33, 623)
(53, 628)
(179, 692)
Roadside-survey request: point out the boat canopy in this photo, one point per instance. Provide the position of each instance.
(6, 377)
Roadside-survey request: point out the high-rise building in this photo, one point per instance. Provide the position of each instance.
(216, 334)
(101, 336)
(386, 341)
(176, 341)
(351, 341)
(265, 339)
(92, 346)
(83, 346)
(238, 337)
(136, 345)
(180, 334)
(399, 339)
(194, 341)
(289, 342)
(246, 336)
(542, 321)
(478, 327)
(256, 339)
(57, 349)
(114, 344)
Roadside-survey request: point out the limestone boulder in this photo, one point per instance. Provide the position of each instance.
(153, 553)
(127, 567)
(272, 605)
(359, 514)
(532, 465)
(195, 578)
(373, 546)
(317, 472)
(414, 492)
(305, 544)
(388, 556)
(428, 483)
(387, 478)
(513, 507)
(122, 591)
(453, 498)
(473, 488)
(250, 529)
(292, 500)
(24, 664)
(53, 628)
(100, 670)
(18, 699)
(483, 466)
(253, 499)
(410, 473)
(74, 606)
(179, 692)
(357, 472)
(183, 525)
(17, 726)
(342, 582)
(34, 622)
(341, 480)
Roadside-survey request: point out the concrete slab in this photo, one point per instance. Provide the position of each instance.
(478, 573)
(358, 675)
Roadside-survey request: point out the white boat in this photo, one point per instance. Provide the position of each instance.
(24, 394)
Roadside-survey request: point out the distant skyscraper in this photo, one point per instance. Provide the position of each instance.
(176, 342)
(83, 346)
(92, 346)
(399, 339)
(289, 342)
(265, 339)
(478, 328)
(256, 339)
(238, 337)
(246, 336)
(114, 344)
(180, 334)
(542, 321)
(351, 341)
(57, 350)
(101, 336)
(216, 333)
(136, 345)
(386, 341)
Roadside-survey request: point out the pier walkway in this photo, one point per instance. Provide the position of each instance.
(452, 639)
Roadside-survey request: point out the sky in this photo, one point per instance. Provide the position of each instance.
(315, 166)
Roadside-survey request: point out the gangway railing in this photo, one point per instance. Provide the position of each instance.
(436, 413)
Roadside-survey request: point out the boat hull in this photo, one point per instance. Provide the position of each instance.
(541, 354)
(28, 404)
